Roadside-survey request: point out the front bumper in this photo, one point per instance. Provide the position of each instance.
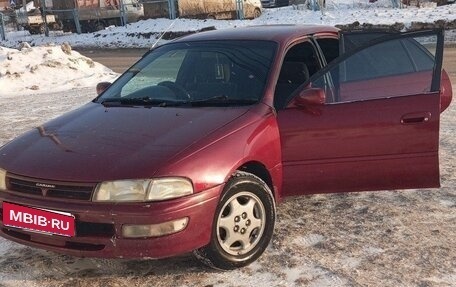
(99, 226)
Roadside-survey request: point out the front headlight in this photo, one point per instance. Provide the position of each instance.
(143, 190)
(2, 179)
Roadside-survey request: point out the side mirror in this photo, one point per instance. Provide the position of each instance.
(101, 87)
(311, 97)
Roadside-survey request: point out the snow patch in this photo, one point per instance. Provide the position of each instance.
(33, 70)
(309, 240)
(6, 246)
(371, 250)
(447, 203)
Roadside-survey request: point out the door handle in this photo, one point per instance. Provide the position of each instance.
(416, 118)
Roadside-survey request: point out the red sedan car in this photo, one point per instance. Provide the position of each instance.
(193, 146)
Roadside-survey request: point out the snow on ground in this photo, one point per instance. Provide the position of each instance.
(143, 33)
(32, 70)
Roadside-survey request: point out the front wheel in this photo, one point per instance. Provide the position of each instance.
(243, 224)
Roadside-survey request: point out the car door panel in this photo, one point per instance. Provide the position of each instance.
(381, 133)
(359, 152)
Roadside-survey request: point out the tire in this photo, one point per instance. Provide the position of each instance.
(243, 224)
(86, 28)
(100, 25)
(42, 29)
(56, 26)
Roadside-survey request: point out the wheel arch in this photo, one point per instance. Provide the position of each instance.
(247, 182)
(258, 169)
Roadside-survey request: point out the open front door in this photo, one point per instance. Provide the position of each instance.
(379, 127)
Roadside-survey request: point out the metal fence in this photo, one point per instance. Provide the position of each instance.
(44, 19)
(15, 24)
(8, 22)
(2, 27)
(91, 19)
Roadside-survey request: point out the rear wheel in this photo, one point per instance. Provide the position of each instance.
(100, 25)
(42, 29)
(33, 31)
(56, 26)
(243, 224)
(86, 28)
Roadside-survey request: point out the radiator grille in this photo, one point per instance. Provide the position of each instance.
(40, 188)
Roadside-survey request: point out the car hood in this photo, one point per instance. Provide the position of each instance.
(94, 143)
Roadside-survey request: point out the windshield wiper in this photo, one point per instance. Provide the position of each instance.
(144, 101)
(222, 100)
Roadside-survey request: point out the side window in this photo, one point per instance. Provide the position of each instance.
(357, 39)
(422, 58)
(387, 69)
(299, 64)
(329, 47)
(385, 59)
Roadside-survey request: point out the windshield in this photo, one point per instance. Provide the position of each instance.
(214, 73)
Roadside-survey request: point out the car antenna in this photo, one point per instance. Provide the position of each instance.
(163, 33)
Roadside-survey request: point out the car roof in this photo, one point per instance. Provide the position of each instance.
(276, 33)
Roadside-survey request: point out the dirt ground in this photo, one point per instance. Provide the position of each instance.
(386, 238)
